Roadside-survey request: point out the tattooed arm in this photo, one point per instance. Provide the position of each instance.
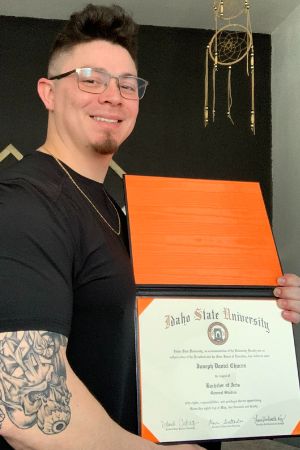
(33, 381)
(44, 406)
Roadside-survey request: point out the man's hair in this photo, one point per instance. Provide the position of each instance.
(110, 24)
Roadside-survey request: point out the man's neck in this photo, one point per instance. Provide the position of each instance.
(92, 166)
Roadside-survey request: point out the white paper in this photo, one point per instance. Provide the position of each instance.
(217, 369)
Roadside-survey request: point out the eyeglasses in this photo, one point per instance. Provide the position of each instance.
(95, 81)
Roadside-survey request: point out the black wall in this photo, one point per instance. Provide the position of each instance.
(169, 138)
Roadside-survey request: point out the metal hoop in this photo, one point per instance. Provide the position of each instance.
(242, 11)
(243, 29)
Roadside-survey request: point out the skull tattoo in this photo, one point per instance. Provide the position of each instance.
(33, 381)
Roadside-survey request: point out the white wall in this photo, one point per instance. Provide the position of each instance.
(286, 140)
(286, 149)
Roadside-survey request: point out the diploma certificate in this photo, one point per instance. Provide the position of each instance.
(216, 369)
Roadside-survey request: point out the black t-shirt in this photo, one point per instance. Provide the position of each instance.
(63, 270)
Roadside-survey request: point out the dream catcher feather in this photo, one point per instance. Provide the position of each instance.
(231, 43)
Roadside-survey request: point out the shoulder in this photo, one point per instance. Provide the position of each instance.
(35, 172)
(32, 192)
(34, 210)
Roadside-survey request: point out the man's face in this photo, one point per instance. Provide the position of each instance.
(98, 122)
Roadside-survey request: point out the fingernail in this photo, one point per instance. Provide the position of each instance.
(277, 292)
(281, 280)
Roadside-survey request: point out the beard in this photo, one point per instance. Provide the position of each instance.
(107, 147)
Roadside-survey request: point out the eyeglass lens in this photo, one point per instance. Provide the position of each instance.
(94, 81)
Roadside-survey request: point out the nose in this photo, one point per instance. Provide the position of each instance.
(112, 92)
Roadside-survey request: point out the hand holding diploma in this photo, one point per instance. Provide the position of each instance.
(288, 297)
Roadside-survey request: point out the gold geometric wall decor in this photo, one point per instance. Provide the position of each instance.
(117, 169)
(11, 150)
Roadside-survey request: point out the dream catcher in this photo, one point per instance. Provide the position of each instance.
(231, 43)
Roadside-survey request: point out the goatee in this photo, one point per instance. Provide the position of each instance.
(108, 147)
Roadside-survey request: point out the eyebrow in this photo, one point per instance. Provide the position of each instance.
(128, 75)
(125, 74)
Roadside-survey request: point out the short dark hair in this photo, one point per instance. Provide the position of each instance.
(108, 23)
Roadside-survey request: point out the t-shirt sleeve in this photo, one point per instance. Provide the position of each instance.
(36, 256)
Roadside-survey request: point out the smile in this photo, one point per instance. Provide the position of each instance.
(103, 119)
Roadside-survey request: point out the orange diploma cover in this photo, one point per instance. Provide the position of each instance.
(199, 232)
(208, 327)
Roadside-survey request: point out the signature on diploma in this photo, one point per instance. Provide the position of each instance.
(179, 424)
(225, 423)
(269, 419)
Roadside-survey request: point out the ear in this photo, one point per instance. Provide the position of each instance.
(45, 90)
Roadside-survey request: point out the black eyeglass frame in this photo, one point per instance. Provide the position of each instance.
(142, 84)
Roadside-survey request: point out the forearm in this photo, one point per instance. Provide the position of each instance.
(90, 428)
(44, 405)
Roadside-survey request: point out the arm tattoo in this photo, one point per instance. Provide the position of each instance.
(33, 387)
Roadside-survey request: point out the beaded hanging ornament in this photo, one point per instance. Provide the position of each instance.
(231, 43)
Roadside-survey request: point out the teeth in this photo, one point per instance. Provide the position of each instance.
(102, 119)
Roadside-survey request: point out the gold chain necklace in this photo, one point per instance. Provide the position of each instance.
(118, 231)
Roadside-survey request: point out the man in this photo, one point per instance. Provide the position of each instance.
(67, 366)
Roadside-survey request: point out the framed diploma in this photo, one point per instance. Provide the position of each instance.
(214, 368)
(215, 358)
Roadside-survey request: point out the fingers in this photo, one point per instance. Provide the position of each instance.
(288, 297)
(288, 293)
(291, 316)
(289, 279)
(291, 309)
